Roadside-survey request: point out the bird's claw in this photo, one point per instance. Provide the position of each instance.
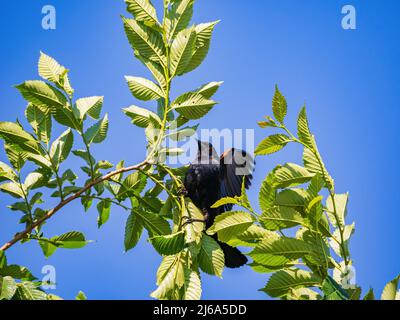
(190, 221)
(183, 192)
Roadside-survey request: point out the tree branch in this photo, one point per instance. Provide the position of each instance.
(19, 236)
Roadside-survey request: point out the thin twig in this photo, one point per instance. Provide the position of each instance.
(19, 236)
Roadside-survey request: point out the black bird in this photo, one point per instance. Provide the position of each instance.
(211, 178)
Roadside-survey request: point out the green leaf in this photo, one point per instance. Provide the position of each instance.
(340, 201)
(333, 291)
(49, 69)
(303, 294)
(104, 209)
(13, 133)
(12, 189)
(133, 231)
(370, 295)
(81, 296)
(132, 185)
(320, 251)
(83, 154)
(142, 10)
(66, 117)
(104, 164)
(7, 173)
(279, 218)
(209, 89)
(90, 106)
(34, 180)
(279, 252)
(279, 106)
(155, 225)
(291, 175)
(314, 164)
(282, 282)
(170, 244)
(226, 201)
(295, 198)
(173, 277)
(303, 129)
(178, 17)
(41, 93)
(194, 231)
(348, 231)
(202, 46)
(61, 148)
(183, 134)
(70, 240)
(181, 51)
(165, 267)
(267, 193)
(228, 224)
(272, 144)
(144, 89)
(252, 237)
(390, 290)
(48, 247)
(192, 285)
(140, 116)
(16, 156)
(193, 105)
(16, 272)
(40, 120)
(156, 70)
(29, 291)
(7, 288)
(3, 259)
(211, 257)
(98, 132)
(147, 42)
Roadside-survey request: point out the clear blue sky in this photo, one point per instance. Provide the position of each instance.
(349, 80)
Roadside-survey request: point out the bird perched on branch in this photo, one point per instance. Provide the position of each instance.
(211, 178)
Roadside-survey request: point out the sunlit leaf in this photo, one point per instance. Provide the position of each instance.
(98, 132)
(40, 120)
(279, 106)
(181, 51)
(90, 106)
(169, 244)
(282, 281)
(228, 224)
(140, 116)
(61, 148)
(211, 257)
(143, 10)
(133, 231)
(147, 42)
(144, 89)
(193, 105)
(272, 144)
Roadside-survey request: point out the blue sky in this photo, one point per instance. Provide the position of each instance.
(348, 79)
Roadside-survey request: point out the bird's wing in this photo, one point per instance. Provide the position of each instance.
(235, 165)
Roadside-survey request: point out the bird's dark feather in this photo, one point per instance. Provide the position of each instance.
(206, 183)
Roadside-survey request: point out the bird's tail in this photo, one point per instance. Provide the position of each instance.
(233, 257)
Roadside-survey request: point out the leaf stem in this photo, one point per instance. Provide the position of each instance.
(56, 173)
(28, 205)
